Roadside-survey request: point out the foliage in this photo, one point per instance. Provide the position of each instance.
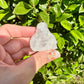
(65, 19)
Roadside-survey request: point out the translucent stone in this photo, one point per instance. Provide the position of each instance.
(43, 39)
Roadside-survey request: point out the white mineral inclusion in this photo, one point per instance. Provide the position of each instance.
(43, 39)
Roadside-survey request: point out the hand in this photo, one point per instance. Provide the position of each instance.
(12, 50)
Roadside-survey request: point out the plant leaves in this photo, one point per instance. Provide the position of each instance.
(55, 10)
(56, 35)
(71, 47)
(26, 56)
(81, 59)
(61, 42)
(11, 17)
(81, 8)
(34, 2)
(22, 8)
(59, 71)
(44, 16)
(81, 20)
(77, 34)
(67, 70)
(48, 82)
(73, 7)
(3, 4)
(43, 6)
(50, 25)
(31, 82)
(82, 47)
(64, 16)
(52, 1)
(74, 39)
(66, 2)
(3, 13)
(66, 25)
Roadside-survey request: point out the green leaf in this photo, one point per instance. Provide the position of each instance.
(56, 35)
(50, 73)
(55, 10)
(31, 82)
(82, 31)
(50, 25)
(63, 76)
(81, 8)
(52, 1)
(59, 62)
(44, 16)
(60, 59)
(11, 17)
(66, 70)
(59, 71)
(43, 70)
(82, 66)
(82, 47)
(74, 39)
(81, 20)
(43, 6)
(3, 4)
(61, 42)
(66, 24)
(49, 65)
(70, 47)
(48, 82)
(34, 2)
(22, 8)
(27, 56)
(73, 7)
(81, 59)
(64, 16)
(77, 34)
(3, 13)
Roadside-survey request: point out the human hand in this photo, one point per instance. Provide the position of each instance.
(12, 50)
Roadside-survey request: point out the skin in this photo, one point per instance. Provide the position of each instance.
(12, 50)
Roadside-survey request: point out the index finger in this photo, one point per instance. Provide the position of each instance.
(10, 30)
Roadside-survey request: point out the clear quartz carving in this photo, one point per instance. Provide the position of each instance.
(43, 39)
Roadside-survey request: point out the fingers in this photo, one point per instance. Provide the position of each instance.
(7, 31)
(40, 58)
(43, 57)
(8, 60)
(19, 31)
(5, 57)
(4, 36)
(22, 53)
(2, 53)
(15, 45)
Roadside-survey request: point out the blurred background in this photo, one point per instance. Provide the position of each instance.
(65, 20)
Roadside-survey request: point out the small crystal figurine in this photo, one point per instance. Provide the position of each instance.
(43, 39)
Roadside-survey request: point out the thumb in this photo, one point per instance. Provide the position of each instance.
(43, 57)
(37, 60)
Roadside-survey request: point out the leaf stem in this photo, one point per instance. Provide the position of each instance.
(36, 12)
(49, 5)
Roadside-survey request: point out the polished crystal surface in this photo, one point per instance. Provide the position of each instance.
(43, 39)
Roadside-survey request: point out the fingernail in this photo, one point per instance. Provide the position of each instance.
(53, 55)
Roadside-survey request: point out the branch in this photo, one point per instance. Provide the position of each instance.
(49, 5)
(36, 13)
